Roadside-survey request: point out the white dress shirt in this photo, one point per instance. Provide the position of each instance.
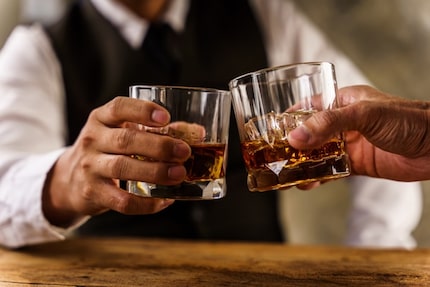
(33, 127)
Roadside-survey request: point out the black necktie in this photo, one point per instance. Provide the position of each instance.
(161, 47)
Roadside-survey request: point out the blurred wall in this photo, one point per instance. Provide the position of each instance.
(13, 12)
(9, 15)
(388, 39)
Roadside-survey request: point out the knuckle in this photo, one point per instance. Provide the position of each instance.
(87, 140)
(87, 137)
(86, 165)
(118, 166)
(87, 192)
(329, 118)
(125, 139)
(114, 106)
(93, 113)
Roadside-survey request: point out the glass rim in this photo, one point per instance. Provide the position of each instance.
(274, 68)
(179, 88)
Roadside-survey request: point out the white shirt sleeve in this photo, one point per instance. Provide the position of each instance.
(383, 213)
(32, 134)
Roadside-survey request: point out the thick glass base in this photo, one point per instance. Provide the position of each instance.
(202, 190)
(290, 175)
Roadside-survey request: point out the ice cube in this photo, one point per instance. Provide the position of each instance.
(276, 166)
(266, 128)
(291, 120)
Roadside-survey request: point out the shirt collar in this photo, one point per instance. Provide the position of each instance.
(132, 27)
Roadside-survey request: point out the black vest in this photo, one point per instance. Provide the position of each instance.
(221, 41)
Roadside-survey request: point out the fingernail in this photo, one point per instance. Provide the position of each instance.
(177, 172)
(301, 133)
(160, 116)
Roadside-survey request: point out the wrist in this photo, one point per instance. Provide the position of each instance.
(54, 200)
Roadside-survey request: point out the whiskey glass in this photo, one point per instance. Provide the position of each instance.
(200, 117)
(271, 102)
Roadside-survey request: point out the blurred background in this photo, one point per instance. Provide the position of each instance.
(388, 39)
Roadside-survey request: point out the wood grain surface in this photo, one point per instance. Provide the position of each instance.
(143, 262)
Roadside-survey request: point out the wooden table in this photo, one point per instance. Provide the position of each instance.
(142, 262)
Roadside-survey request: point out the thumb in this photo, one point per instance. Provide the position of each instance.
(322, 127)
(388, 125)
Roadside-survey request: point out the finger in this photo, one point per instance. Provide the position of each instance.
(352, 94)
(127, 203)
(123, 109)
(321, 127)
(387, 125)
(308, 186)
(326, 124)
(127, 168)
(129, 141)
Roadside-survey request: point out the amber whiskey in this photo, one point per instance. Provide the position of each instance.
(277, 164)
(206, 162)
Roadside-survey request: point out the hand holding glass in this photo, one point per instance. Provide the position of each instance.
(271, 102)
(200, 117)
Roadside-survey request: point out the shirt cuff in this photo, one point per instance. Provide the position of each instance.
(22, 221)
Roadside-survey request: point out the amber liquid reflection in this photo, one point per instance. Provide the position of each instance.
(277, 165)
(206, 162)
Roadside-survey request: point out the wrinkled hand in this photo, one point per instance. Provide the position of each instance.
(386, 136)
(84, 181)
